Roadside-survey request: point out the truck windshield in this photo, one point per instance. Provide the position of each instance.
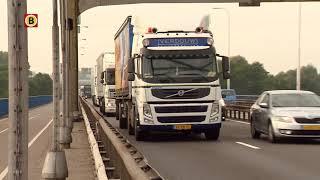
(110, 76)
(199, 69)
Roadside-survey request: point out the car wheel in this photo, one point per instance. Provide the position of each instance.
(271, 137)
(212, 134)
(254, 133)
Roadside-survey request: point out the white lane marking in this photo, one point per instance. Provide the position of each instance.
(5, 171)
(248, 145)
(3, 130)
(238, 121)
(8, 128)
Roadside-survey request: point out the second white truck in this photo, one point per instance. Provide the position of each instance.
(107, 102)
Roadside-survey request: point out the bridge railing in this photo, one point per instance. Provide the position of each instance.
(34, 101)
(240, 109)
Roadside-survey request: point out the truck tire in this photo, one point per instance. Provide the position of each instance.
(123, 122)
(139, 134)
(102, 107)
(117, 110)
(212, 134)
(131, 118)
(94, 100)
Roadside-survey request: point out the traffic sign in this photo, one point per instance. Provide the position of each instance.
(31, 20)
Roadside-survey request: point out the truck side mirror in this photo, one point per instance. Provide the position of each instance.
(131, 77)
(226, 67)
(131, 66)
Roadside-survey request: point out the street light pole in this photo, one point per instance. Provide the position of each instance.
(229, 37)
(299, 49)
(55, 165)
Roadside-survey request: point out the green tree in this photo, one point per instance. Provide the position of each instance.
(40, 84)
(3, 74)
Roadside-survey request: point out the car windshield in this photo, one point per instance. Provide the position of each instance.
(179, 70)
(295, 100)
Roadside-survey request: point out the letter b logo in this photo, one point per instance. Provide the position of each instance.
(31, 20)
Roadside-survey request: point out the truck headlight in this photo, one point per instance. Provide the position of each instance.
(284, 119)
(147, 110)
(214, 110)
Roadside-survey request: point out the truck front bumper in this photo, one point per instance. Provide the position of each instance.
(198, 128)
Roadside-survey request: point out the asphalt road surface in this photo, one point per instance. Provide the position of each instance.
(235, 156)
(40, 130)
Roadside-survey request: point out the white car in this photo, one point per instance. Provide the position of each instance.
(286, 113)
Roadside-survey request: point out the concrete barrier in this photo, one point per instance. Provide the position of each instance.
(34, 101)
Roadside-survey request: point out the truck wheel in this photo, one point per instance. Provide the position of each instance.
(102, 107)
(131, 118)
(212, 134)
(94, 100)
(139, 134)
(122, 121)
(117, 110)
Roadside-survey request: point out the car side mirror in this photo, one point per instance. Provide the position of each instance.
(131, 77)
(225, 67)
(264, 105)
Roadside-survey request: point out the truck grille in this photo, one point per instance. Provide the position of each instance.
(181, 119)
(190, 93)
(180, 109)
(308, 121)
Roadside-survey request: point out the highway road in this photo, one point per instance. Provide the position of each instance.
(40, 130)
(235, 156)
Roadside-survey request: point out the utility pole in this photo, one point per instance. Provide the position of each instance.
(299, 49)
(55, 165)
(18, 91)
(65, 129)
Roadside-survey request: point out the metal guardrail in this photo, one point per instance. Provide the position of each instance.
(34, 101)
(121, 159)
(239, 110)
(98, 161)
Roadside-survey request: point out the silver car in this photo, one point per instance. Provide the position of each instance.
(286, 113)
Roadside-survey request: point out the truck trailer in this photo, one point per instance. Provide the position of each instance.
(167, 81)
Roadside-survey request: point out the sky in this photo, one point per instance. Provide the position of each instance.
(267, 34)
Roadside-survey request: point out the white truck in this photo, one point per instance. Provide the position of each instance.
(167, 81)
(107, 103)
(97, 94)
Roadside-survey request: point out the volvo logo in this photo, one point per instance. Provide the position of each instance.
(181, 92)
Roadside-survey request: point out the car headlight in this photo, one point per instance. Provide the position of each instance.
(284, 119)
(214, 110)
(147, 110)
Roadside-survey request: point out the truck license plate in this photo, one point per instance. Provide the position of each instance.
(311, 127)
(183, 127)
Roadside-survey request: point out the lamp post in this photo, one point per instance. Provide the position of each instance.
(299, 49)
(229, 38)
